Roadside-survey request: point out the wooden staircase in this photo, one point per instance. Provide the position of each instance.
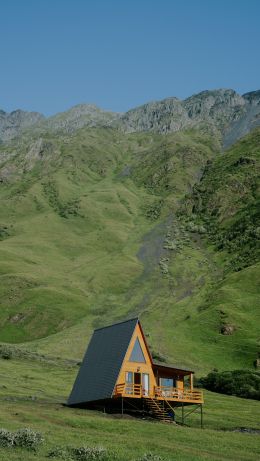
(159, 410)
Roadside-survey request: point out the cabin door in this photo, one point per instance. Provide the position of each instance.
(137, 383)
(145, 384)
(137, 378)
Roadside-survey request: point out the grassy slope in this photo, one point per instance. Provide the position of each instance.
(226, 202)
(91, 234)
(76, 224)
(29, 398)
(95, 237)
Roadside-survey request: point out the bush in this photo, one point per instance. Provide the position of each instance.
(26, 438)
(83, 453)
(153, 211)
(6, 438)
(243, 383)
(89, 453)
(5, 352)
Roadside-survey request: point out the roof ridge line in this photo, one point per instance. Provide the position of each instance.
(118, 323)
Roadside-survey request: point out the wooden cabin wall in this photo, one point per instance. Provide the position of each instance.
(137, 366)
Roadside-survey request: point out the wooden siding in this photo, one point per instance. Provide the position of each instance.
(137, 367)
(135, 390)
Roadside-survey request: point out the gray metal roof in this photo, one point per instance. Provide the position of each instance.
(101, 365)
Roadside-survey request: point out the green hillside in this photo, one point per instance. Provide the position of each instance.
(99, 225)
(33, 388)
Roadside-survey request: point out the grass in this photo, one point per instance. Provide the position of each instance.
(32, 393)
(99, 226)
(93, 234)
(130, 439)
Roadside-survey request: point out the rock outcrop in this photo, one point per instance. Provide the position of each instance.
(13, 123)
(223, 112)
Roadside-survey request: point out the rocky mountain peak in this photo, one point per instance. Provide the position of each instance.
(222, 111)
(11, 124)
(253, 97)
(78, 116)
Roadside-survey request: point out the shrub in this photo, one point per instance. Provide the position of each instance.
(83, 453)
(89, 453)
(243, 383)
(4, 232)
(26, 438)
(164, 266)
(5, 352)
(153, 211)
(6, 438)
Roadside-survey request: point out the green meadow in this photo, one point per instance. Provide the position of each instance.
(32, 394)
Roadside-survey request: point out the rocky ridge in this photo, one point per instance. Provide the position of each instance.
(222, 111)
(13, 123)
(77, 117)
(226, 111)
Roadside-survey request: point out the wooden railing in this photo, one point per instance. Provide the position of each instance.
(129, 389)
(175, 393)
(159, 392)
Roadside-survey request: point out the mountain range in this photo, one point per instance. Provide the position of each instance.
(222, 110)
(153, 212)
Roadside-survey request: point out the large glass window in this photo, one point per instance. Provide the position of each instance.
(129, 379)
(137, 353)
(168, 382)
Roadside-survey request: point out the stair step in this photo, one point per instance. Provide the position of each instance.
(159, 411)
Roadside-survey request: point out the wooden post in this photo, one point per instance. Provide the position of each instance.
(191, 381)
(122, 406)
(182, 414)
(201, 417)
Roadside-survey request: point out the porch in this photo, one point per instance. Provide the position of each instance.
(174, 394)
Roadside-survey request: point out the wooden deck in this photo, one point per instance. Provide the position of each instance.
(173, 394)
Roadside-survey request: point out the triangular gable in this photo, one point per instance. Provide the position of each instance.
(133, 361)
(137, 354)
(138, 333)
(102, 363)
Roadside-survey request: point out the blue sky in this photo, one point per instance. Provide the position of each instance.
(121, 53)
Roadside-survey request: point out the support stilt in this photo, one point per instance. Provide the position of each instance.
(122, 406)
(182, 414)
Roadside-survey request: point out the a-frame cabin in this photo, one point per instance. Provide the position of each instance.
(118, 372)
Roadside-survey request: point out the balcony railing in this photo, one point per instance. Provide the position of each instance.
(128, 389)
(159, 392)
(175, 393)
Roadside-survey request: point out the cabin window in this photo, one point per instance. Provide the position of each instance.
(129, 377)
(167, 382)
(137, 353)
